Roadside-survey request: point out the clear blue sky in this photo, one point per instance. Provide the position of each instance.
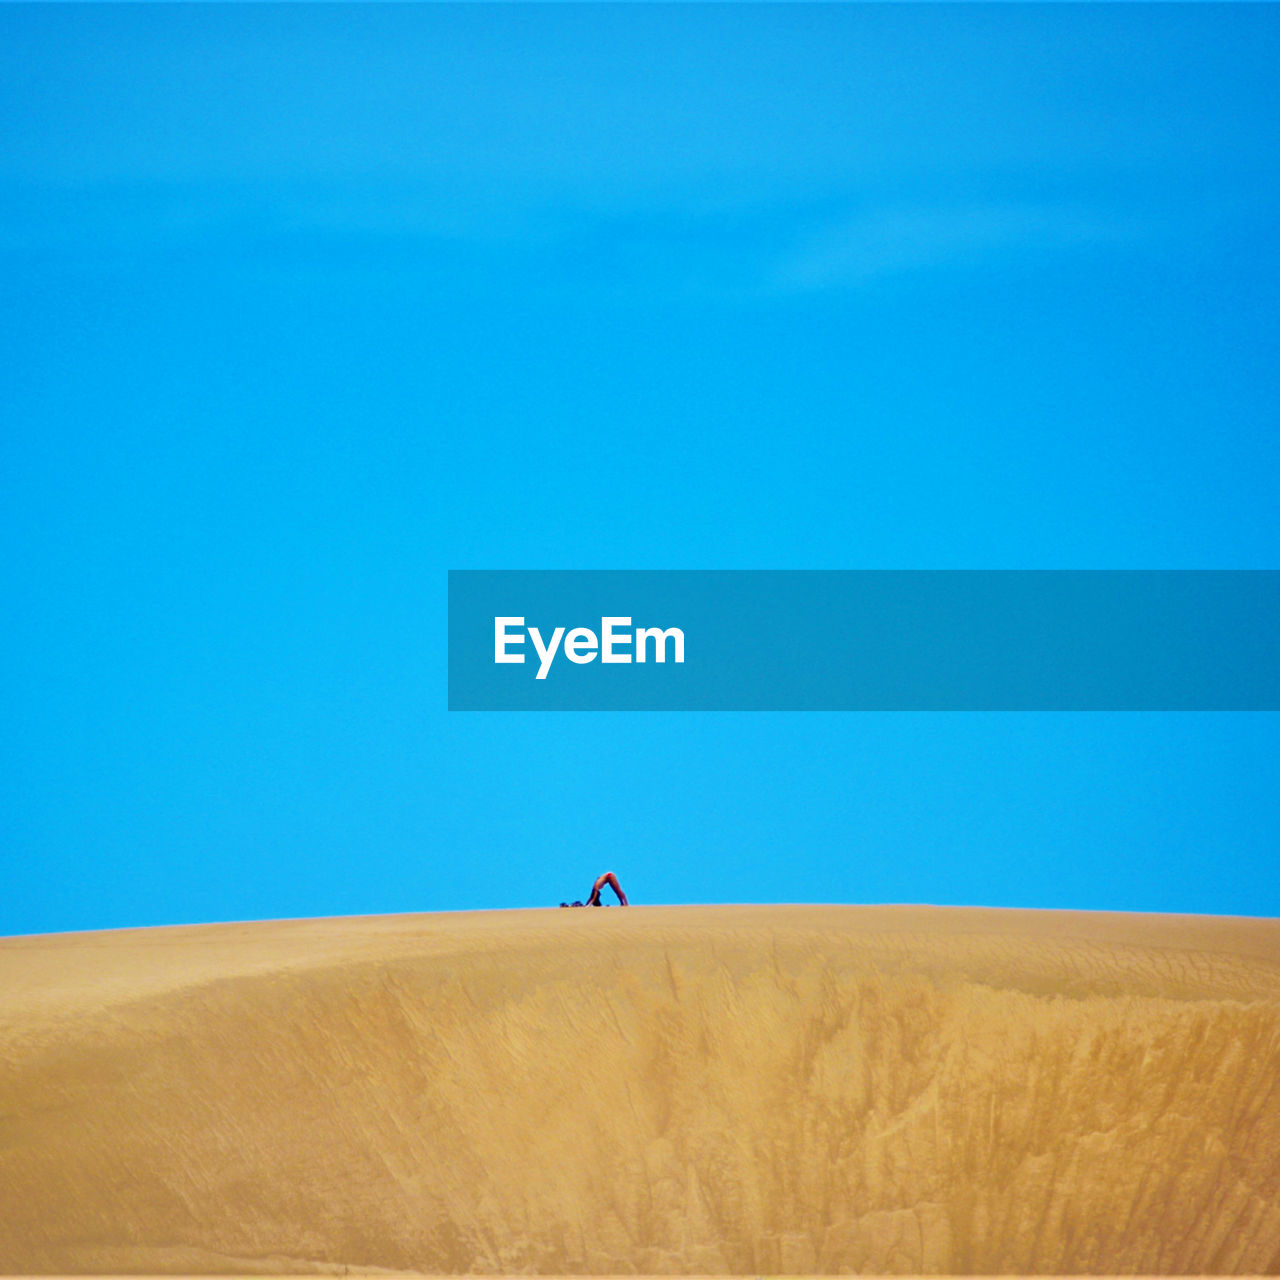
(302, 306)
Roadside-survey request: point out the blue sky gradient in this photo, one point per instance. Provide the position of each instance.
(302, 306)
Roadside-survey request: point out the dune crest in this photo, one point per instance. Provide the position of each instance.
(657, 1090)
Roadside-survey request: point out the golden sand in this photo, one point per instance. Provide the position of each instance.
(655, 1090)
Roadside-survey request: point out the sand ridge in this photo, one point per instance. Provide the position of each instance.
(661, 1090)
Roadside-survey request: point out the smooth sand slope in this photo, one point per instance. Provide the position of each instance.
(658, 1090)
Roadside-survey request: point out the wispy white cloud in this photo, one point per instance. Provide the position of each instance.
(688, 244)
(893, 240)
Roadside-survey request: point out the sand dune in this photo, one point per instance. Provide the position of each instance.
(657, 1090)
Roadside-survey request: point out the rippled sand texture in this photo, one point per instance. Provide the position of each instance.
(658, 1090)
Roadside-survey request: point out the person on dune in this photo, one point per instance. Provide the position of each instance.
(594, 900)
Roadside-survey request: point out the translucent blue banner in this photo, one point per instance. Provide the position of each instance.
(919, 640)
